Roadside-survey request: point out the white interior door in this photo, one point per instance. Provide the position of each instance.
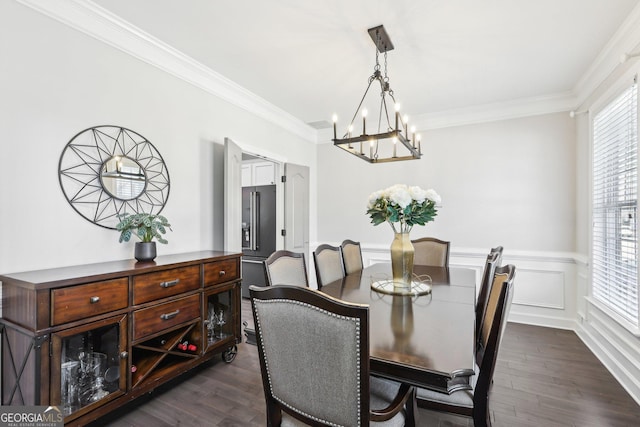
(296, 201)
(232, 196)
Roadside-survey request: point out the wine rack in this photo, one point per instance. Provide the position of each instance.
(152, 358)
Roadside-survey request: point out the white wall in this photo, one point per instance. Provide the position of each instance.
(55, 82)
(509, 183)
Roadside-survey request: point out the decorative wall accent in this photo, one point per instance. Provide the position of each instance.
(106, 171)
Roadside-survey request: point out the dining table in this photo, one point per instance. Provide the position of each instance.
(424, 340)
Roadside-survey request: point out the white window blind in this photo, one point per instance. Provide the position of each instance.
(615, 200)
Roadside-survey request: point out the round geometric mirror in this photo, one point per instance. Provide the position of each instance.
(106, 171)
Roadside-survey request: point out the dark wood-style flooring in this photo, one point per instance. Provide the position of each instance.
(544, 378)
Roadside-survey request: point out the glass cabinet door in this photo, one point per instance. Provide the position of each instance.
(88, 365)
(221, 310)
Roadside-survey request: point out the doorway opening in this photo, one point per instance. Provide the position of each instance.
(262, 217)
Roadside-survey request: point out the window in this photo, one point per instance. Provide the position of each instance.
(615, 205)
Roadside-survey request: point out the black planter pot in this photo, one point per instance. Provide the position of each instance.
(145, 251)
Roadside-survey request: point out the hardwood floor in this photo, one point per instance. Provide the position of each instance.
(544, 378)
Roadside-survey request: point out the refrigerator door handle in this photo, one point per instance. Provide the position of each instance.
(256, 222)
(252, 226)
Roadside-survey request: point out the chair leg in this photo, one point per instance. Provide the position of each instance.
(411, 410)
(481, 415)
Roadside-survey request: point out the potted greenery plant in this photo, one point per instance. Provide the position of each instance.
(147, 227)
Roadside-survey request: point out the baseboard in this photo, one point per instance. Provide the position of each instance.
(545, 321)
(609, 362)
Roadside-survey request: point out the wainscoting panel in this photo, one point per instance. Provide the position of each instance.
(539, 288)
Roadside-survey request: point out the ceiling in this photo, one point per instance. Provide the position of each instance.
(312, 58)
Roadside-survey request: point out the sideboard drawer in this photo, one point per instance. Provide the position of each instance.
(161, 284)
(157, 318)
(220, 271)
(79, 302)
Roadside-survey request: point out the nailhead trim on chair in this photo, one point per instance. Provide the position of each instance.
(357, 324)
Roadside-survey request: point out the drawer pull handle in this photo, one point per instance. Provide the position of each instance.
(222, 273)
(94, 300)
(169, 283)
(167, 316)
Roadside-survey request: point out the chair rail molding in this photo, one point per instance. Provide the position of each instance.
(97, 22)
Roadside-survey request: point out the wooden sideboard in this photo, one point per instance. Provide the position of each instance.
(90, 338)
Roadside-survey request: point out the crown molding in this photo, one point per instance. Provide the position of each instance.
(524, 107)
(99, 23)
(625, 40)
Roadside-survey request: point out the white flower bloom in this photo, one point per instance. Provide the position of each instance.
(373, 197)
(399, 194)
(417, 194)
(432, 195)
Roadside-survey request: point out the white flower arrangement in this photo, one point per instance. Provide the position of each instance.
(404, 205)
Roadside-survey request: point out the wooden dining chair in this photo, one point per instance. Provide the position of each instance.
(474, 402)
(494, 259)
(286, 268)
(431, 251)
(328, 263)
(351, 256)
(314, 361)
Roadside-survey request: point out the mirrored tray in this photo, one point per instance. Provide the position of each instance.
(420, 285)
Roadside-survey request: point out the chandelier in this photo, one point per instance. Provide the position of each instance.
(386, 143)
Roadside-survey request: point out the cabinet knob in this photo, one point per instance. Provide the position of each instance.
(94, 300)
(124, 355)
(222, 273)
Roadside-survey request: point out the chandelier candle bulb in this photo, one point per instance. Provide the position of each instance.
(419, 149)
(335, 120)
(397, 114)
(395, 143)
(406, 123)
(364, 121)
(413, 136)
(371, 149)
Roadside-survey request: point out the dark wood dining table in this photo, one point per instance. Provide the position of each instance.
(426, 341)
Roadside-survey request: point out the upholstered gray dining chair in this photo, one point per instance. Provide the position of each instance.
(328, 263)
(351, 256)
(286, 268)
(494, 259)
(474, 403)
(431, 251)
(314, 360)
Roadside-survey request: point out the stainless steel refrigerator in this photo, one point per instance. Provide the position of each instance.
(258, 233)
